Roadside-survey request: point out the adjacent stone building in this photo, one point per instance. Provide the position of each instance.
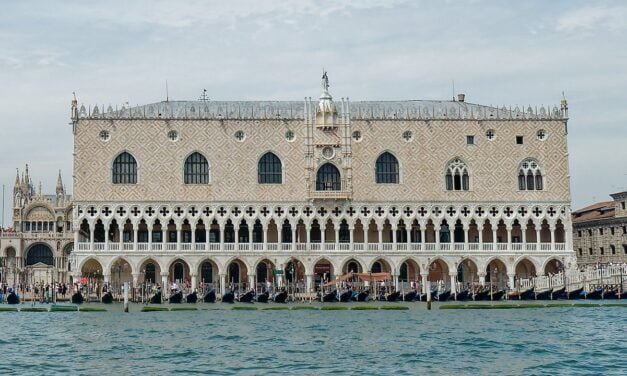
(255, 191)
(600, 232)
(37, 247)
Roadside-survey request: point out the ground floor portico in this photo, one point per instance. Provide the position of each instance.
(244, 270)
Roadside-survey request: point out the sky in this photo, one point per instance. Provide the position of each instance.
(498, 53)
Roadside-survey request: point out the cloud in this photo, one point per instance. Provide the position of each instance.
(592, 18)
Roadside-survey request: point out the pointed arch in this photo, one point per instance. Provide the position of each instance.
(387, 169)
(457, 176)
(124, 169)
(328, 178)
(269, 169)
(530, 177)
(196, 169)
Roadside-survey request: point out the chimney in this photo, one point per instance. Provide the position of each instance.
(461, 97)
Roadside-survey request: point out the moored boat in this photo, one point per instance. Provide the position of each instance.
(410, 296)
(229, 297)
(263, 297)
(330, 297)
(610, 294)
(210, 297)
(363, 296)
(247, 297)
(527, 294)
(574, 294)
(482, 295)
(13, 298)
(192, 298)
(280, 297)
(462, 295)
(77, 298)
(559, 294)
(156, 298)
(497, 295)
(544, 295)
(594, 294)
(346, 296)
(107, 298)
(443, 296)
(176, 298)
(394, 296)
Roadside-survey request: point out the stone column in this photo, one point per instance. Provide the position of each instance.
(379, 237)
(437, 236)
(481, 278)
(251, 281)
(309, 283)
(480, 231)
(552, 227)
(179, 231)
(135, 237)
(106, 276)
(150, 228)
(221, 225)
(423, 235)
(294, 237)
(408, 234)
(509, 236)
(164, 235)
(453, 283)
(494, 238)
(511, 281)
(423, 285)
(192, 227)
(135, 279)
(523, 236)
(91, 236)
(264, 236)
(222, 284)
(207, 233)
(194, 281)
(164, 282)
(106, 228)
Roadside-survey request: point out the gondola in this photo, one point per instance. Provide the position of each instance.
(156, 298)
(107, 298)
(497, 295)
(330, 297)
(527, 294)
(623, 295)
(610, 294)
(346, 296)
(263, 297)
(363, 296)
(482, 295)
(544, 295)
(229, 297)
(410, 296)
(176, 298)
(77, 298)
(12, 298)
(443, 296)
(423, 297)
(559, 294)
(462, 295)
(594, 294)
(394, 296)
(192, 298)
(210, 297)
(575, 294)
(247, 297)
(280, 297)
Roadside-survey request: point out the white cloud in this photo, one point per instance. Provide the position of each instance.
(593, 17)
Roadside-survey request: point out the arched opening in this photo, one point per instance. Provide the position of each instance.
(237, 274)
(323, 271)
(208, 272)
(381, 266)
(525, 269)
(553, 267)
(196, 169)
(179, 272)
(387, 171)
(409, 272)
(264, 272)
(40, 254)
(294, 271)
(121, 272)
(352, 266)
(328, 178)
(496, 274)
(467, 273)
(124, 169)
(315, 234)
(150, 272)
(269, 169)
(438, 272)
(458, 233)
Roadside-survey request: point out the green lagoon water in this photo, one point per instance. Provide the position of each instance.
(218, 340)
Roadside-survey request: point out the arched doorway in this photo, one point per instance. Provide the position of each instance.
(179, 272)
(208, 272)
(121, 272)
(553, 267)
(352, 266)
(467, 272)
(438, 272)
(40, 264)
(294, 271)
(150, 272)
(236, 274)
(525, 269)
(323, 271)
(496, 274)
(264, 271)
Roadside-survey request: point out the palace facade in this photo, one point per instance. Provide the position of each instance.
(37, 248)
(600, 232)
(280, 191)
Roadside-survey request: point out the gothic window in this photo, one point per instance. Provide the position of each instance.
(457, 177)
(269, 169)
(125, 169)
(530, 176)
(328, 178)
(387, 169)
(196, 169)
(40, 253)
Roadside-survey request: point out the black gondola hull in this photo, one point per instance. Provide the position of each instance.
(263, 297)
(229, 297)
(176, 298)
(156, 298)
(107, 298)
(192, 298)
(77, 298)
(544, 295)
(330, 297)
(247, 297)
(210, 297)
(280, 297)
(12, 298)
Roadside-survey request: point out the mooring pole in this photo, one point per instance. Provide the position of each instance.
(125, 296)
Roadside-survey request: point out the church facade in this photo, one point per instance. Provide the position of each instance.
(37, 248)
(279, 191)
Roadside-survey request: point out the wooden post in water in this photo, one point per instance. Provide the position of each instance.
(126, 297)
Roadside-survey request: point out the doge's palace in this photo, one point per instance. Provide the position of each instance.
(275, 191)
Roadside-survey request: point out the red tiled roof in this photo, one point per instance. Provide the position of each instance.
(599, 210)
